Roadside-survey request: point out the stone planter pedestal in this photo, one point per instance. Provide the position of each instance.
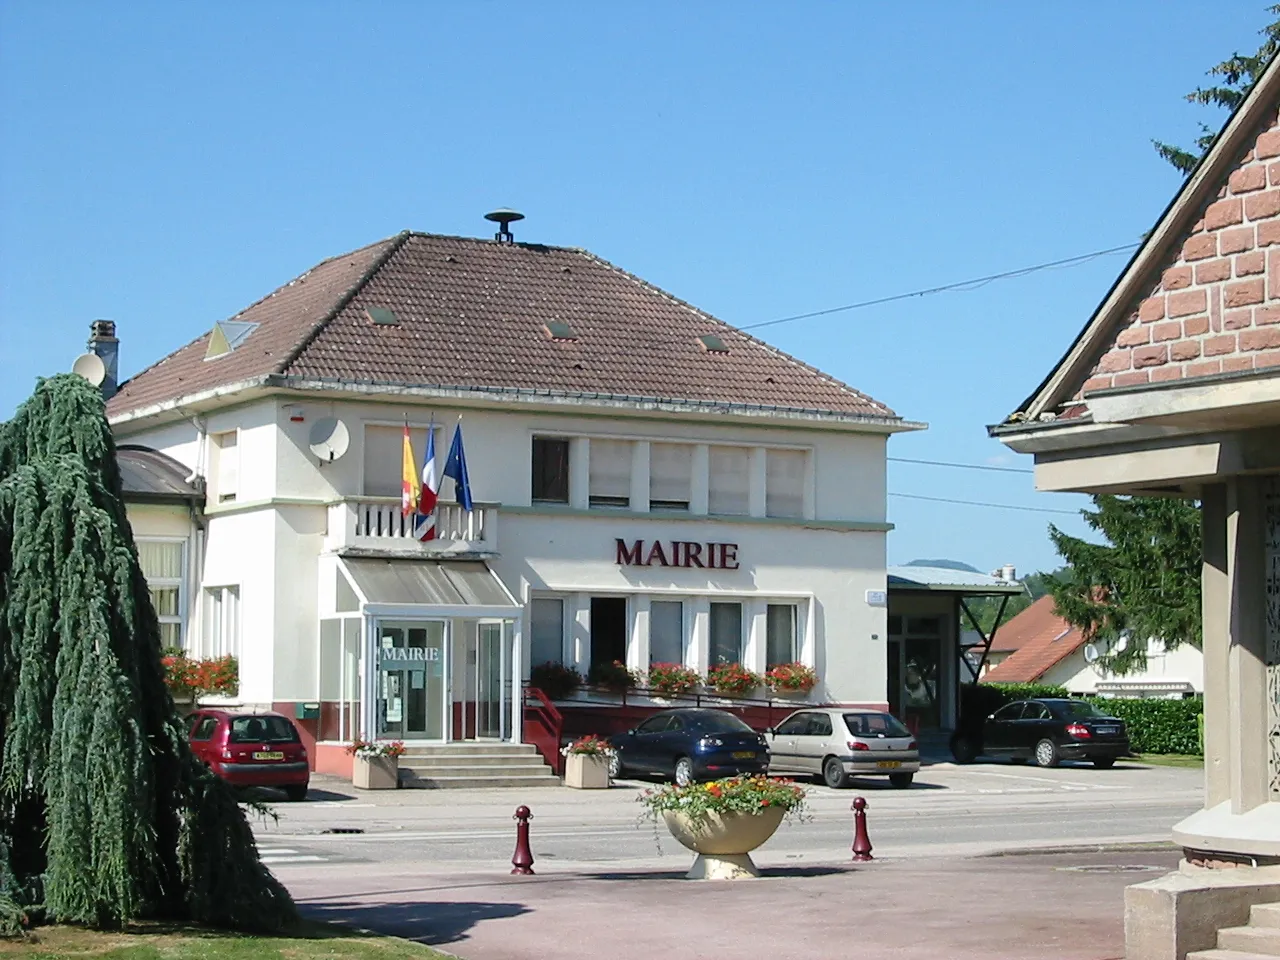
(375, 773)
(724, 842)
(586, 772)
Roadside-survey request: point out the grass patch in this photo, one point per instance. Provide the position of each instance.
(1168, 759)
(311, 941)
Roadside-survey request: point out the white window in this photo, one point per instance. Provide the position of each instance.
(729, 481)
(666, 631)
(610, 473)
(780, 634)
(226, 448)
(546, 631)
(670, 476)
(163, 565)
(784, 483)
(221, 622)
(726, 634)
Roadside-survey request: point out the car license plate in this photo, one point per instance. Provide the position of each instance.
(888, 764)
(268, 755)
(1107, 729)
(744, 755)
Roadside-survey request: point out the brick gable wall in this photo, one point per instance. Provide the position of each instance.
(1216, 307)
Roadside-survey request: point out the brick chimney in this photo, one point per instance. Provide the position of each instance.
(103, 342)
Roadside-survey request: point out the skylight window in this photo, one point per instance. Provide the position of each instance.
(226, 336)
(558, 330)
(382, 316)
(712, 344)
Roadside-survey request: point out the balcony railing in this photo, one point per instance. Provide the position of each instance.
(377, 525)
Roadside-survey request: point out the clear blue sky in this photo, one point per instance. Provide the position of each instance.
(166, 164)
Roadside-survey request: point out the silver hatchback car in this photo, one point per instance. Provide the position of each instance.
(839, 744)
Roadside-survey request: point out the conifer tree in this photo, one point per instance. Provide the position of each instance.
(105, 815)
(1234, 76)
(1143, 582)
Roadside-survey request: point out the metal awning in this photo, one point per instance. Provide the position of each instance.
(947, 580)
(429, 587)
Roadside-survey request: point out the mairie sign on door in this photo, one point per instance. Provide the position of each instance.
(408, 658)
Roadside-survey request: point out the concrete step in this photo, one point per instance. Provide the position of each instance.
(459, 782)
(469, 746)
(471, 759)
(1220, 954)
(1260, 940)
(1264, 915)
(478, 770)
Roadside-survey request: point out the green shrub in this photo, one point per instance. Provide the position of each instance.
(1158, 726)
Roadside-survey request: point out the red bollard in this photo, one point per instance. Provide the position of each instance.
(861, 842)
(522, 859)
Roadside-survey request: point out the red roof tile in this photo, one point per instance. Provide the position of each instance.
(472, 314)
(1039, 639)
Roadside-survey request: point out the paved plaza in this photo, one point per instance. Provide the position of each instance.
(989, 860)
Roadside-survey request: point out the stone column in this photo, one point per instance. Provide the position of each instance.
(1213, 580)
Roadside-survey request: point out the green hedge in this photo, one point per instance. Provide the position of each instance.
(1155, 726)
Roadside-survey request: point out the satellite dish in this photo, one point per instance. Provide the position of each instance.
(329, 439)
(91, 367)
(1090, 653)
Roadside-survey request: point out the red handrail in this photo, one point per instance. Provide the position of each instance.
(543, 727)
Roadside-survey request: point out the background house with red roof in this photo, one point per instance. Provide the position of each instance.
(1038, 646)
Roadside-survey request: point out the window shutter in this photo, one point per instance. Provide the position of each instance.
(546, 626)
(610, 470)
(666, 631)
(670, 476)
(784, 483)
(730, 481)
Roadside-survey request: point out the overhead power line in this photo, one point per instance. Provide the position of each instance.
(961, 466)
(977, 503)
(959, 285)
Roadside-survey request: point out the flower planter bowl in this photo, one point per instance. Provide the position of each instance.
(586, 772)
(724, 841)
(375, 773)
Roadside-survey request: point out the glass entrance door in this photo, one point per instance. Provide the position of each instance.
(489, 680)
(411, 694)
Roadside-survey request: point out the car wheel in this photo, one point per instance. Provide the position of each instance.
(1104, 763)
(964, 749)
(833, 774)
(684, 772)
(615, 766)
(1046, 754)
(901, 780)
(296, 793)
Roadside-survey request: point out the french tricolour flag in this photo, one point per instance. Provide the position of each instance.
(424, 522)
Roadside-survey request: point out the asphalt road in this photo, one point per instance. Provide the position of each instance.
(949, 811)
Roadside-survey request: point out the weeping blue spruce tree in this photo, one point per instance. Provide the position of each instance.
(105, 815)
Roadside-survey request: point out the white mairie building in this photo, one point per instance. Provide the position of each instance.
(649, 485)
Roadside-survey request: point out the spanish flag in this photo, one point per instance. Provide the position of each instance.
(409, 478)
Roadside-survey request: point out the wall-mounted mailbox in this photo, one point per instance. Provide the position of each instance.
(307, 711)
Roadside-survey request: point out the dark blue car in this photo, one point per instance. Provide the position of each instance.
(688, 744)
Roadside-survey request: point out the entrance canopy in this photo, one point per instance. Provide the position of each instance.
(461, 588)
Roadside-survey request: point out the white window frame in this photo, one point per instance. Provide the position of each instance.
(228, 634)
(179, 581)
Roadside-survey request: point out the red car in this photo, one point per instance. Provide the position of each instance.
(251, 749)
